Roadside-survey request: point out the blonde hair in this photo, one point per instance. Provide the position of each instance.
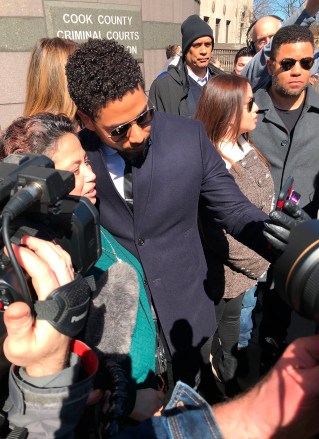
(47, 89)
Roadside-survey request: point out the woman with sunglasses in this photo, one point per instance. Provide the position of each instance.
(120, 322)
(229, 113)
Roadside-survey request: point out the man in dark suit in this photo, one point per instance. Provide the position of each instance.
(174, 167)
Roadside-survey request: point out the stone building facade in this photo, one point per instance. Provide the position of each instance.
(228, 19)
(145, 27)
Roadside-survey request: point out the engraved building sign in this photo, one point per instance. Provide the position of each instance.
(79, 22)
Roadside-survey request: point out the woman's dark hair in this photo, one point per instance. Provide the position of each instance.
(37, 134)
(220, 108)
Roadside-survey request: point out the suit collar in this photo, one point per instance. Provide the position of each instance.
(142, 177)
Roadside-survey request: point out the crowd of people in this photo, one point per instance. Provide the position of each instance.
(185, 181)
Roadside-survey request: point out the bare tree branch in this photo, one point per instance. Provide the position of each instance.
(261, 8)
(284, 8)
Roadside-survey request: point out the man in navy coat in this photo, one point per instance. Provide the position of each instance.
(174, 167)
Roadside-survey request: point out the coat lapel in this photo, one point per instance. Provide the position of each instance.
(105, 186)
(142, 179)
(142, 185)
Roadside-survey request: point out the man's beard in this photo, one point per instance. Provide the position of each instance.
(281, 90)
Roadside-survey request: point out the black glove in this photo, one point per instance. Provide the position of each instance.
(277, 230)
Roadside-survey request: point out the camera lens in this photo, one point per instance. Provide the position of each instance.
(296, 271)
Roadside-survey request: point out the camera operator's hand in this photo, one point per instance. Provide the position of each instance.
(284, 404)
(297, 376)
(277, 231)
(36, 345)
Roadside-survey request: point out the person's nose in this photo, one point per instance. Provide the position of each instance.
(203, 49)
(136, 134)
(267, 40)
(296, 69)
(89, 174)
(255, 107)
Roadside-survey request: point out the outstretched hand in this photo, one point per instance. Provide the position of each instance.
(277, 231)
(36, 345)
(294, 387)
(284, 404)
(300, 362)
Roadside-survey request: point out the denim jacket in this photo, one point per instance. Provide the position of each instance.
(187, 415)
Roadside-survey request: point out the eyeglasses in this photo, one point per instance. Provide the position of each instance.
(264, 40)
(120, 132)
(250, 104)
(288, 63)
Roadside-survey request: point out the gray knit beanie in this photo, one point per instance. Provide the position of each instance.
(192, 28)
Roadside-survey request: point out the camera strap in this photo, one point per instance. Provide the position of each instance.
(18, 433)
(7, 432)
(66, 307)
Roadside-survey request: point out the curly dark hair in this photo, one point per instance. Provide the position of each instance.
(289, 35)
(36, 134)
(101, 71)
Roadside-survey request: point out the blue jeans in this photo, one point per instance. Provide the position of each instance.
(187, 415)
(246, 321)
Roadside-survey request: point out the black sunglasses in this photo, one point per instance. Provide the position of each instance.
(250, 104)
(288, 63)
(120, 132)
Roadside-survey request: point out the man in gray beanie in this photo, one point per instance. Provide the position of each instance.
(178, 90)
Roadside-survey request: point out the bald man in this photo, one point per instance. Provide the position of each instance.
(264, 29)
(262, 32)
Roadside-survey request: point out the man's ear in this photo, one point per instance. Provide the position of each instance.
(86, 120)
(270, 66)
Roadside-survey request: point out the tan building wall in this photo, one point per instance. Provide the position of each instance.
(229, 19)
(145, 26)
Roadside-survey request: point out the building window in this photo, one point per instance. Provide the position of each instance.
(206, 19)
(217, 29)
(227, 30)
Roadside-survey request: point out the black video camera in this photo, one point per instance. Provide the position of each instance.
(296, 271)
(34, 201)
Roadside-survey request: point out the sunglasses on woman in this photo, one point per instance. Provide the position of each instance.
(250, 104)
(120, 132)
(288, 63)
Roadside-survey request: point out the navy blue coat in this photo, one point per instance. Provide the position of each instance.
(181, 168)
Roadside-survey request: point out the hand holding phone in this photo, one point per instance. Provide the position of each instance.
(287, 193)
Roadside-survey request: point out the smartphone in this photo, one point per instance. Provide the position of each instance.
(287, 193)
